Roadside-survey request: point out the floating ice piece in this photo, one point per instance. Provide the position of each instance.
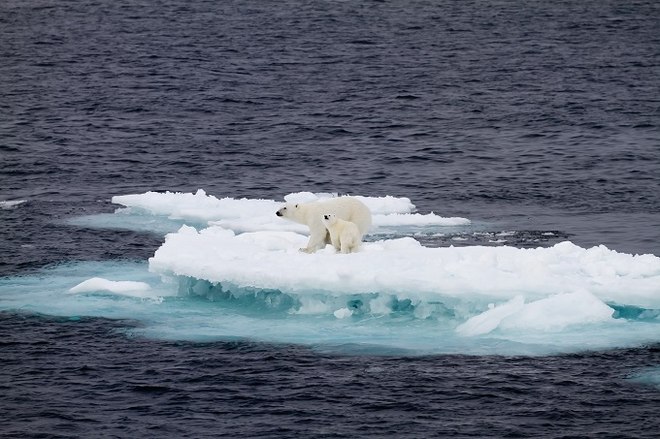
(271, 260)
(245, 262)
(417, 219)
(343, 313)
(388, 204)
(647, 376)
(197, 207)
(125, 288)
(11, 204)
(251, 215)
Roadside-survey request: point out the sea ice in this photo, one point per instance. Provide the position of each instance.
(11, 204)
(128, 288)
(235, 271)
(244, 247)
(250, 215)
(271, 260)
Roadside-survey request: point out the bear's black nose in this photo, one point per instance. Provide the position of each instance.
(278, 213)
(326, 216)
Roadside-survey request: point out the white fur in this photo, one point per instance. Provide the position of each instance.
(344, 235)
(310, 214)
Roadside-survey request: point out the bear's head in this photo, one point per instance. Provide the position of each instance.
(288, 211)
(328, 219)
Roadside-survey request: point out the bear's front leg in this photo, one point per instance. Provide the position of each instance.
(334, 240)
(316, 242)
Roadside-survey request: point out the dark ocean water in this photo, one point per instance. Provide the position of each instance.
(530, 116)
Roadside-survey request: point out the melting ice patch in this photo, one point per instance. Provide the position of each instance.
(233, 269)
(11, 204)
(126, 288)
(128, 219)
(648, 376)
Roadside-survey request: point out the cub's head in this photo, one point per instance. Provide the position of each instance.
(288, 211)
(328, 219)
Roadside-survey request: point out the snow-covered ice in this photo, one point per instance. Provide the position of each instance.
(271, 260)
(249, 215)
(232, 268)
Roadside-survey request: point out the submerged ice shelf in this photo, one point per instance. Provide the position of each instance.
(231, 268)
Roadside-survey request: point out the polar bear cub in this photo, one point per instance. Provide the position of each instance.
(345, 208)
(344, 235)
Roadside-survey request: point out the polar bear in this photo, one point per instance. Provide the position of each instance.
(344, 235)
(311, 214)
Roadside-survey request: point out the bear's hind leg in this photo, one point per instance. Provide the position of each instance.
(336, 241)
(348, 245)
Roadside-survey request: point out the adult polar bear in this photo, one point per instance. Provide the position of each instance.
(311, 214)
